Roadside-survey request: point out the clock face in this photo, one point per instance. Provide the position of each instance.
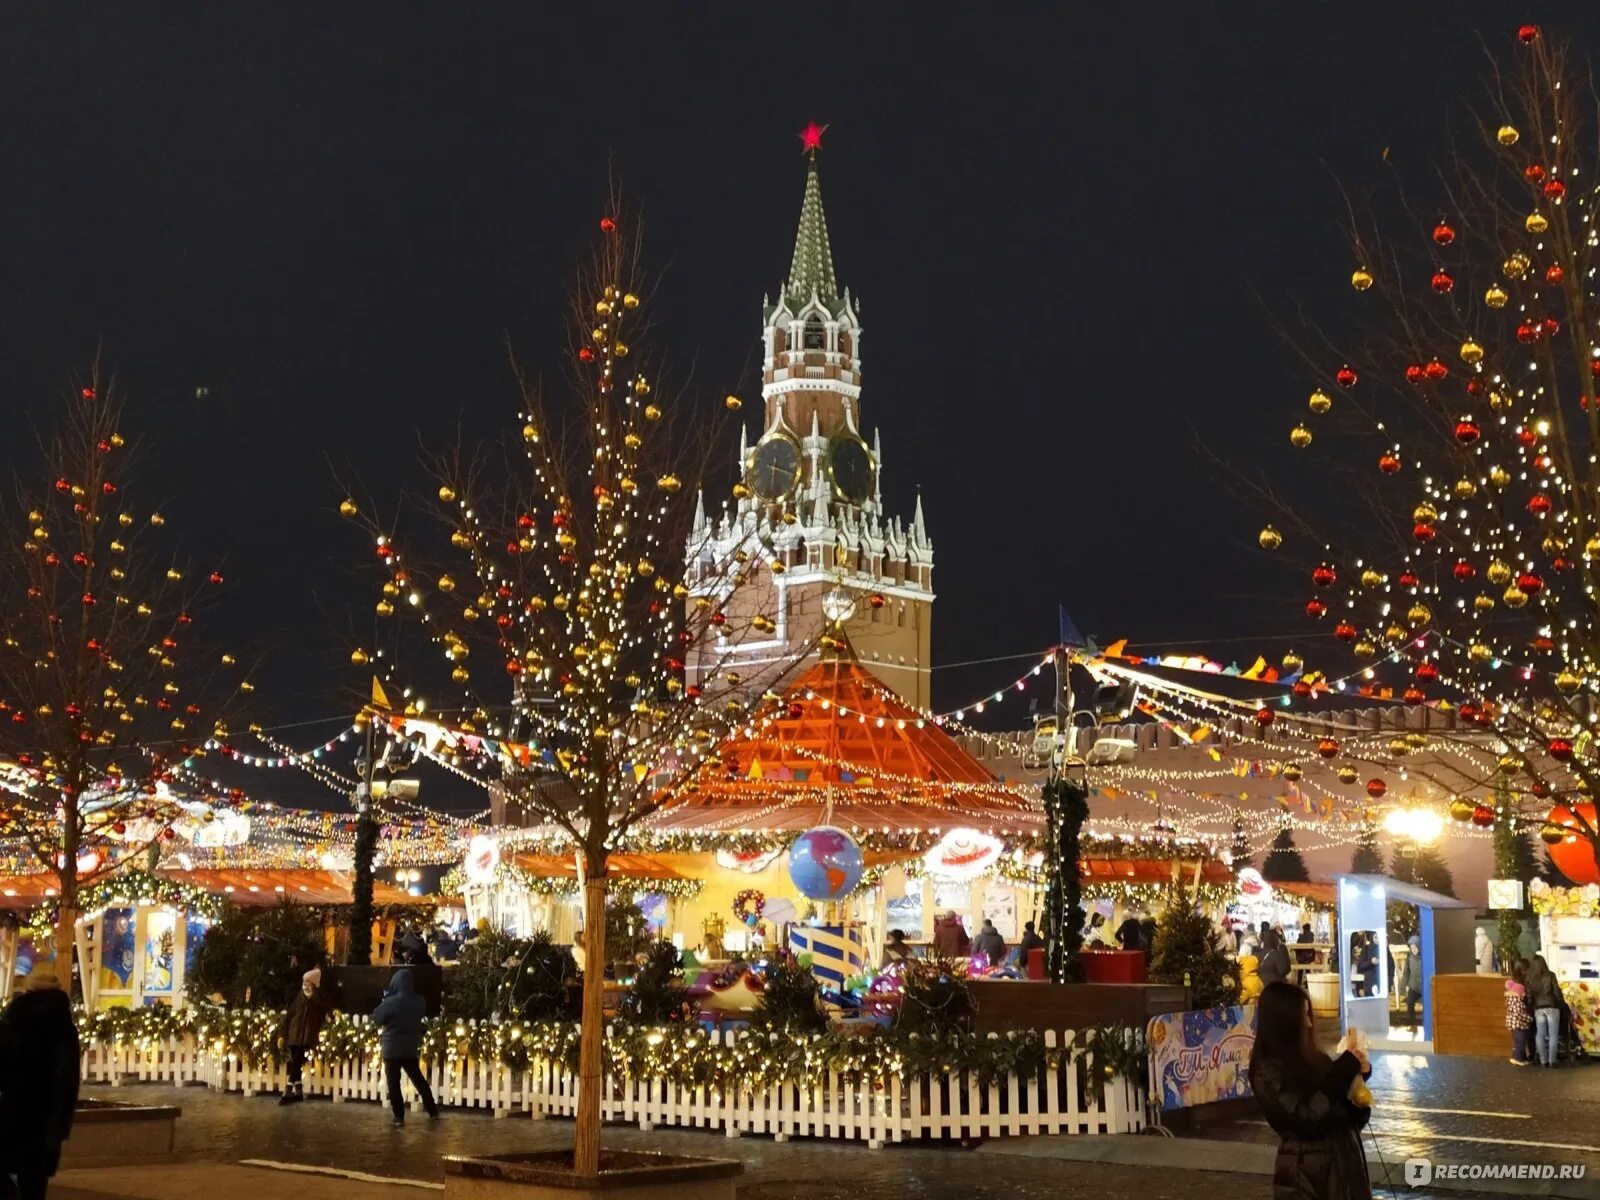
(774, 468)
(850, 467)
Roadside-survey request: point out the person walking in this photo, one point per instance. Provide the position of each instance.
(1306, 938)
(1274, 966)
(990, 944)
(400, 1018)
(1518, 1019)
(38, 1085)
(1544, 998)
(302, 1025)
(950, 936)
(1409, 987)
(1307, 1099)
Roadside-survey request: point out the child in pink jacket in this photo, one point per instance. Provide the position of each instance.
(1517, 1017)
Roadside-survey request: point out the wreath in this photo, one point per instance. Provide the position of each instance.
(748, 905)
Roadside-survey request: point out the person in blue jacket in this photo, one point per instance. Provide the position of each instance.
(400, 1019)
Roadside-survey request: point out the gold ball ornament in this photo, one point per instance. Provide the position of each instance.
(530, 434)
(1419, 614)
(1517, 265)
(1568, 682)
(1425, 513)
(1552, 834)
(384, 609)
(1499, 477)
(460, 674)
(358, 658)
(1462, 810)
(1499, 572)
(461, 540)
(1399, 747)
(347, 508)
(630, 301)
(669, 483)
(1300, 437)
(1515, 597)
(447, 494)
(1361, 279)
(1507, 135)
(1320, 402)
(1483, 603)
(1471, 353)
(1394, 632)
(1536, 223)
(602, 307)
(1292, 772)
(652, 413)
(1292, 662)
(732, 403)
(1499, 401)
(1371, 578)
(1496, 296)
(1365, 649)
(1479, 653)
(1591, 548)
(1465, 489)
(1348, 775)
(1269, 538)
(620, 349)
(740, 491)
(446, 584)
(157, 520)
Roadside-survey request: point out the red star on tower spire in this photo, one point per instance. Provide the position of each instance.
(811, 137)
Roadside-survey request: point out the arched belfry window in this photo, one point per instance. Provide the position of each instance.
(816, 334)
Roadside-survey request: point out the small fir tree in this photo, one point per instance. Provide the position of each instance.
(1283, 862)
(790, 999)
(936, 999)
(1367, 858)
(658, 994)
(1189, 952)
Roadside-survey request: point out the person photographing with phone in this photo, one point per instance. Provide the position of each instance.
(1315, 1104)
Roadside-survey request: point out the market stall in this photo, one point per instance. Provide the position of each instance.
(1569, 933)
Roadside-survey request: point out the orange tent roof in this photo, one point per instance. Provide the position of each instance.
(624, 866)
(841, 747)
(240, 886)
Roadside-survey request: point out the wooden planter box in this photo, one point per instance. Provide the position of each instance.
(105, 1133)
(624, 1175)
(1469, 1015)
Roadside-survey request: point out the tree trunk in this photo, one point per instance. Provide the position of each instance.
(66, 940)
(586, 1144)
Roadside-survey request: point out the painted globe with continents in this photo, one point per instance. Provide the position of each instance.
(825, 863)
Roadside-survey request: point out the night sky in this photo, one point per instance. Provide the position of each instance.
(1068, 229)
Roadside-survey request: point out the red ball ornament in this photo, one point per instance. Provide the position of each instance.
(513, 667)
(1551, 326)
(1539, 788)
(1483, 816)
(1573, 855)
(1407, 578)
(877, 600)
(513, 547)
(1539, 504)
(1463, 570)
(1467, 711)
(1435, 370)
(1301, 688)
(1527, 35)
(585, 354)
(1528, 437)
(1544, 644)
(1323, 576)
(1533, 173)
(608, 225)
(1443, 281)
(1345, 631)
(1468, 431)
(717, 618)
(1443, 233)
(1554, 189)
(1427, 672)
(215, 577)
(63, 486)
(1553, 273)
(1389, 462)
(1413, 695)
(1264, 717)
(1594, 365)
(1414, 374)
(1474, 387)
(1315, 608)
(1529, 582)
(504, 620)
(1527, 333)
(1376, 788)
(109, 488)
(524, 521)
(1423, 533)
(1560, 749)
(87, 393)
(1345, 377)
(796, 711)
(1560, 564)
(1328, 748)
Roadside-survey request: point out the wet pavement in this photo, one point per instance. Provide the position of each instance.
(1447, 1109)
(1475, 1110)
(356, 1137)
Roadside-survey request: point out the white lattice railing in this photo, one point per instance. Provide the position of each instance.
(1055, 1100)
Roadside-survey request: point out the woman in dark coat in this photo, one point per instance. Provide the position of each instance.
(1305, 1097)
(38, 1085)
(302, 1026)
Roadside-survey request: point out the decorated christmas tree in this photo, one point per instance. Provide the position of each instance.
(551, 613)
(1239, 851)
(1282, 863)
(106, 696)
(1367, 859)
(1189, 953)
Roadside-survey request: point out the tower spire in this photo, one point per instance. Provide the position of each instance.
(812, 267)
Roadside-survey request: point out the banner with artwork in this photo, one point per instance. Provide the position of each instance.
(1201, 1057)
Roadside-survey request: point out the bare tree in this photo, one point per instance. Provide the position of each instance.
(1456, 534)
(103, 689)
(551, 592)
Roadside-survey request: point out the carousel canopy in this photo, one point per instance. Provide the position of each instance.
(240, 886)
(841, 749)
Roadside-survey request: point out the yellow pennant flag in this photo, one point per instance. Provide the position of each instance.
(379, 700)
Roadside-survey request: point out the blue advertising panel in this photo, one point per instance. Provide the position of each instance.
(1201, 1057)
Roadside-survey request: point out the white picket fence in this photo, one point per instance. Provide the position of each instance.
(952, 1104)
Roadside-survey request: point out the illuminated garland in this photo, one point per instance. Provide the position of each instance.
(683, 1054)
(129, 888)
(509, 875)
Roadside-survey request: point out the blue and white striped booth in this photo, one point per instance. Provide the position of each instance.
(837, 951)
